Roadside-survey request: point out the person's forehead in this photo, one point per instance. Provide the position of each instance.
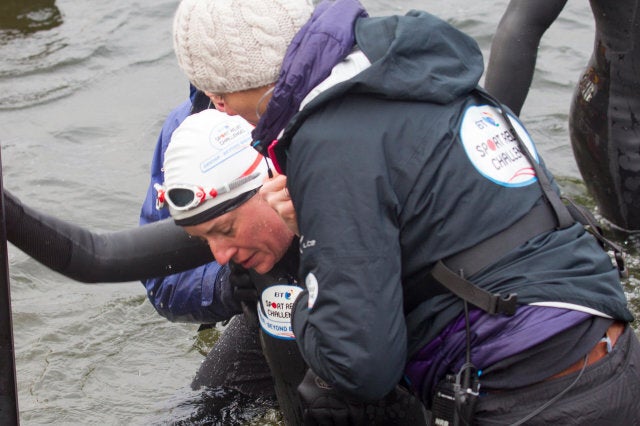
(211, 226)
(241, 213)
(221, 221)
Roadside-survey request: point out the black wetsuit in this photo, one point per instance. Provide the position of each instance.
(605, 112)
(157, 249)
(514, 49)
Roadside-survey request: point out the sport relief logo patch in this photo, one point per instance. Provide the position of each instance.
(274, 310)
(494, 150)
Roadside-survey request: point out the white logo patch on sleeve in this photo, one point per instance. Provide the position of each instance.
(493, 149)
(274, 310)
(311, 282)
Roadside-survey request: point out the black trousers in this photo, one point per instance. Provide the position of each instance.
(607, 393)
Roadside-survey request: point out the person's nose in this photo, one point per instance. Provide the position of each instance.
(218, 101)
(222, 252)
(220, 105)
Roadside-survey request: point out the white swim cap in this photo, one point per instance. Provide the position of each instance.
(210, 167)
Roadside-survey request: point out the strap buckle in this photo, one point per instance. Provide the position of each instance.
(620, 262)
(506, 305)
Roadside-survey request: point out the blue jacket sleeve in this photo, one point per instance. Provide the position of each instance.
(194, 295)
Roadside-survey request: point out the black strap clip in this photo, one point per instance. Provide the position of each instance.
(493, 303)
(506, 305)
(622, 268)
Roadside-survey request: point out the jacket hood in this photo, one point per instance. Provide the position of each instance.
(417, 57)
(324, 41)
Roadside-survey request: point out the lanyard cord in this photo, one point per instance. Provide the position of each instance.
(562, 214)
(555, 398)
(564, 220)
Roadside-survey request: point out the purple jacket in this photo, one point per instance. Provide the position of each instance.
(325, 40)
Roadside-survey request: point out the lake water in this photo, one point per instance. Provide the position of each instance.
(84, 89)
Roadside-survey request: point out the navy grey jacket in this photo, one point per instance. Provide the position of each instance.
(384, 170)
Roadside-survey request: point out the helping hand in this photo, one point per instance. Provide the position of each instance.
(274, 191)
(244, 290)
(325, 406)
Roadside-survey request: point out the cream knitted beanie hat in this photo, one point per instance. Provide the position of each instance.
(226, 46)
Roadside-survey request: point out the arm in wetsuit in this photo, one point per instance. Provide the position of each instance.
(91, 257)
(158, 249)
(515, 47)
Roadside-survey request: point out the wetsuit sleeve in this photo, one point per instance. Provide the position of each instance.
(349, 323)
(194, 295)
(514, 49)
(156, 249)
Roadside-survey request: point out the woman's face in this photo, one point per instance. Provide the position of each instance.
(248, 104)
(253, 236)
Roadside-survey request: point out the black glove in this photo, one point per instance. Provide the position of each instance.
(324, 406)
(244, 290)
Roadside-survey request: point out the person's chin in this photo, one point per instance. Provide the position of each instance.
(263, 267)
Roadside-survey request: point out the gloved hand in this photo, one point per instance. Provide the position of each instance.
(324, 406)
(243, 289)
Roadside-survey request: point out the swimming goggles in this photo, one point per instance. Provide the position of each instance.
(187, 197)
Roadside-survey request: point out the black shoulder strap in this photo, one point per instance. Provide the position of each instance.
(553, 214)
(586, 218)
(567, 211)
(492, 303)
(451, 272)
(562, 214)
